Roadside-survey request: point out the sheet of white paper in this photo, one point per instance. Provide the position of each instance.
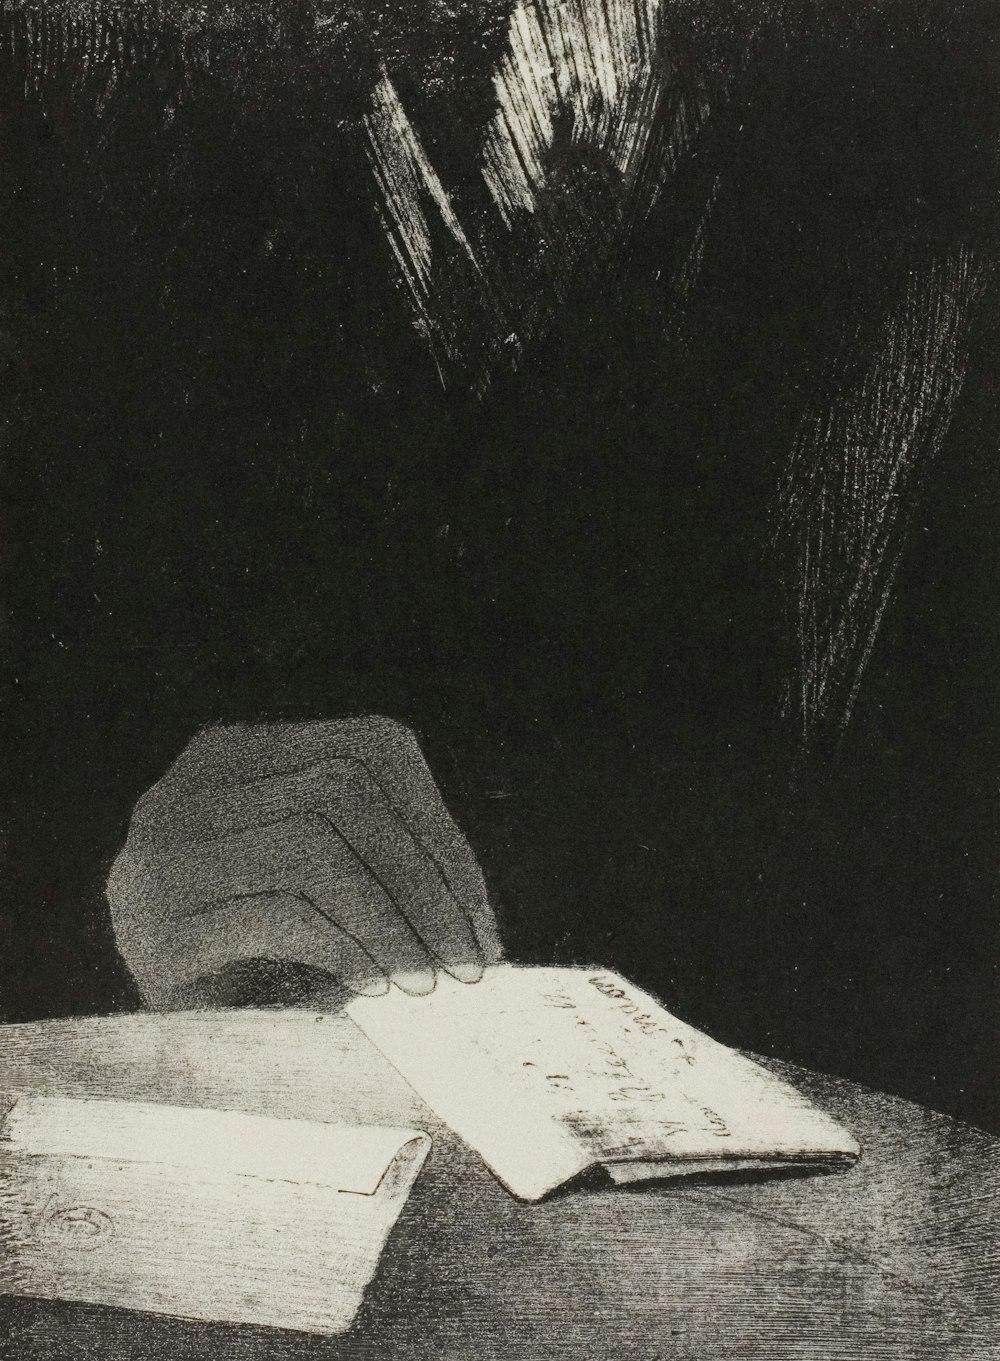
(549, 1071)
(344, 1157)
(205, 1214)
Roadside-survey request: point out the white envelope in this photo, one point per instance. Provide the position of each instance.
(202, 1214)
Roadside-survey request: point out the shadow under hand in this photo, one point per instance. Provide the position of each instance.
(264, 983)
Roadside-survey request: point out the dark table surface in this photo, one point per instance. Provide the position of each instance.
(898, 1257)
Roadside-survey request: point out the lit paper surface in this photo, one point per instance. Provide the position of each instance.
(203, 1214)
(547, 1072)
(344, 1157)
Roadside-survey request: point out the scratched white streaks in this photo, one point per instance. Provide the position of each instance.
(92, 48)
(410, 191)
(48, 47)
(850, 480)
(589, 62)
(593, 76)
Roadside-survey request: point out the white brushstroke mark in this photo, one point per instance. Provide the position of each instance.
(690, 271)
(592, 121)
(851, 474)
(590, 125)
(590, 61)
(408, 184)
(388, 121)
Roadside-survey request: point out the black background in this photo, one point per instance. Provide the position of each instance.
(235, 489)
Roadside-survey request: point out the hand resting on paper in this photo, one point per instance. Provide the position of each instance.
(317, 850)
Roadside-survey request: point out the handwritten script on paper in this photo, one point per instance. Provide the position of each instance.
(547, 1072)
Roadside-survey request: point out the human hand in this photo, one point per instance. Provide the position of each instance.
(318, 845)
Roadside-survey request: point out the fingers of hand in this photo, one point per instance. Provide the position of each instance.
(396, 764)
(380, 799)
(300, 857)
(400, 901)
(357, 807)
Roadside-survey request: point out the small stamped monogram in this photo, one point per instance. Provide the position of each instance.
(79, 1227)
